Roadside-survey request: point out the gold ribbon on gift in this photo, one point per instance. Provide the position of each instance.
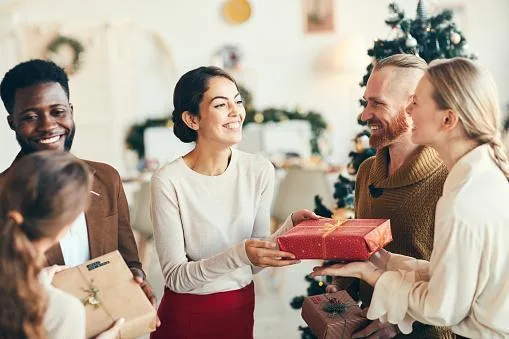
(329, 228)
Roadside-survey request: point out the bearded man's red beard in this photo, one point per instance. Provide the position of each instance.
(396, 128)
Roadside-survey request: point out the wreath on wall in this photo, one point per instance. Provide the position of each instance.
(134, 139)
(315, 119)
(66, 52)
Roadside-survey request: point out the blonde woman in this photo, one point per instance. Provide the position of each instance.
(465, 285)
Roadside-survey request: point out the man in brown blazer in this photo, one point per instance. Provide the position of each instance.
(36, 96)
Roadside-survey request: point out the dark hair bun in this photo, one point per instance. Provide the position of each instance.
(181, 130)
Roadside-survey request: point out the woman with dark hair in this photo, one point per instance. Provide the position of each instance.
(210, 209)
(40, 198)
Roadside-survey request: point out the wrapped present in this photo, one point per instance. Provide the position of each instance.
(106, 287)
(344, 240)
(333, 315)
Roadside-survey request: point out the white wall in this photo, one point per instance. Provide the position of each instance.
(279, 59)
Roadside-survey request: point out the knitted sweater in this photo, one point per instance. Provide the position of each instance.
(408, 198)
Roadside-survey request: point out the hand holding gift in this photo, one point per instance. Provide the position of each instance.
(264, 253)
(113, 332)
(106, 288)
(364, 270)
(140, 279)
(376, 329)
(50, 271)
(302, 215)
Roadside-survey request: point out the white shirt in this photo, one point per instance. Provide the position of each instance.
(65, 314)
(465, 285)
(200, 222)
(74, 243)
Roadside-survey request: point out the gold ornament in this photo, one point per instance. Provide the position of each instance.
(258, 118)
(237, 11)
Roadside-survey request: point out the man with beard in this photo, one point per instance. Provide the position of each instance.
(36, 96)
(402, 182)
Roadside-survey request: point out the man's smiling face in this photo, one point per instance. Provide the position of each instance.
(42, 118)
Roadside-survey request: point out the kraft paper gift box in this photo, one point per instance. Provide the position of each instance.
(344, 240)
(333, 315)
(106, 287)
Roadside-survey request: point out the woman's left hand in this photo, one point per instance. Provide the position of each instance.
(50, 271)
(364, 270)
(301, 215)
(263, 253)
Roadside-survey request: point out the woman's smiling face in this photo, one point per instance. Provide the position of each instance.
(222, 113)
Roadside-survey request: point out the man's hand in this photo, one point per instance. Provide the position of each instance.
(301, 215)
(376, 330)
(139, 277)
(263, 253)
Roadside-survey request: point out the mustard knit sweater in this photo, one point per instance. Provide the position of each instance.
(408, 198)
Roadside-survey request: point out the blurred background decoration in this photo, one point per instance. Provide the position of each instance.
(66, 52)
(237, 11)
(135, 139)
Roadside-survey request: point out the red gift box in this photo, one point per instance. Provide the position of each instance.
(346, 240)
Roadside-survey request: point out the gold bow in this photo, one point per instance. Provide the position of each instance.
(328, 228)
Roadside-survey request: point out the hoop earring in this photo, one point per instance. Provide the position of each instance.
(16, 216)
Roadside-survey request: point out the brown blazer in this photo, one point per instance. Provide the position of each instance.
(107, 218)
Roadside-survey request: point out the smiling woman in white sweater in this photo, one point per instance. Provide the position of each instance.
(465, 285)
(209, 208)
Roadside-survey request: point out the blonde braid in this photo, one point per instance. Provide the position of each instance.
(500, 155)
(499, 152)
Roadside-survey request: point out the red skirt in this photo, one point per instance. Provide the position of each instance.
(218, 315)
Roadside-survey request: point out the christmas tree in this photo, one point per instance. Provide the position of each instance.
(430, 37)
